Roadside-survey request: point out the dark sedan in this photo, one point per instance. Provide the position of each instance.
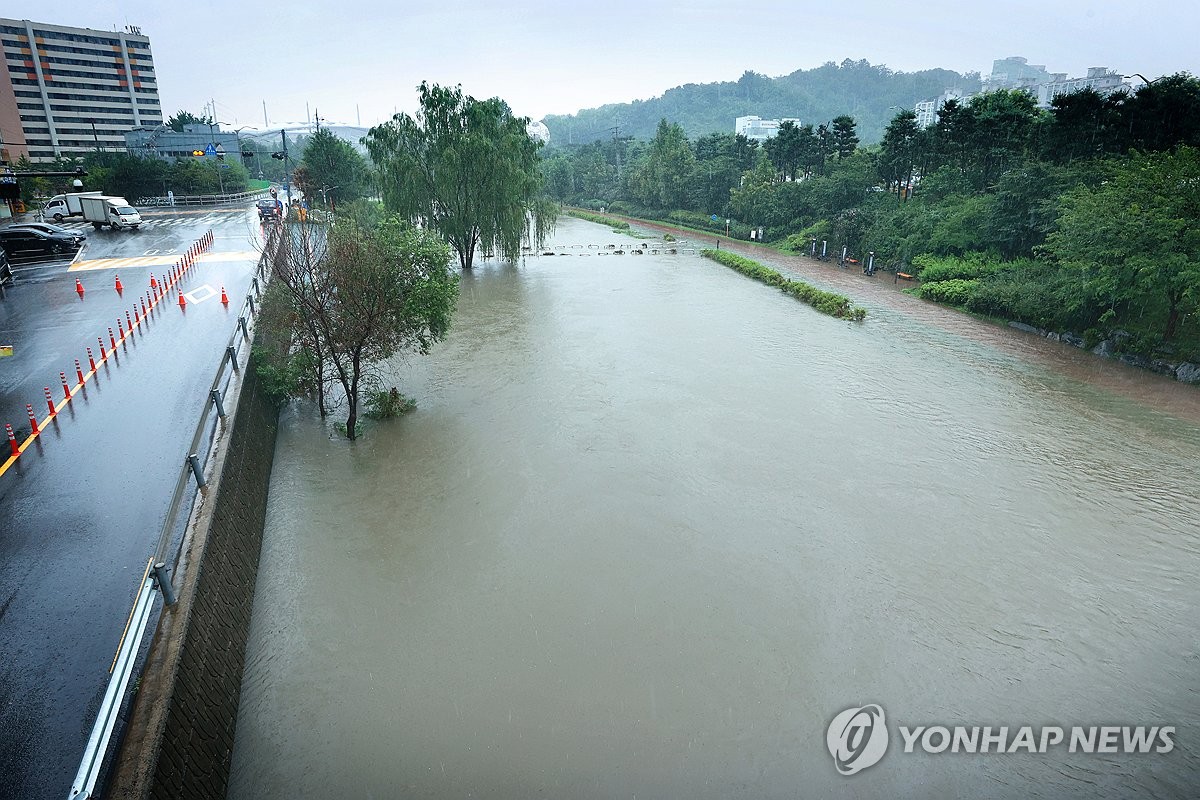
(49, 227)
(30, 243)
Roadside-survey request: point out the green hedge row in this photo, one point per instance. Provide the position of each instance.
(835, 305)
(618, 224)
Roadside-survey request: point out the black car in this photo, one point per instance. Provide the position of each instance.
(268, 209)
(48, 227)
(27, 243)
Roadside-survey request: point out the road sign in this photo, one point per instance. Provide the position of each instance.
(210, 150)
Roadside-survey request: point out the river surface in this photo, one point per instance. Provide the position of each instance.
(653, 525)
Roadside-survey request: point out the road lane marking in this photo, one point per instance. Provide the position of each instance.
(195, 296)
(159, 261)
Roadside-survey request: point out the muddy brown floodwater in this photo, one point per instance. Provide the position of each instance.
(653, 525)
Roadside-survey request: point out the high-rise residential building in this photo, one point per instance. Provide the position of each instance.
(1101, 79)
(1015, 72)
(927, 111)
(66, 91)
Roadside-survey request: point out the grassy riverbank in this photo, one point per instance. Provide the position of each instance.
(600, 219)
(835, 305)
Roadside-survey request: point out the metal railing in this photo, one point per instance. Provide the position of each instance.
(200, 199)
(158, 574)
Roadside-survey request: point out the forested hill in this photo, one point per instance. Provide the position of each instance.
(864, 91)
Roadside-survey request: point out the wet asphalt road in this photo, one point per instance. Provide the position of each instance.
(81, 509)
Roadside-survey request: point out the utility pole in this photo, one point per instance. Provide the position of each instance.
(265, 123)
(616, 137)
(287, 170)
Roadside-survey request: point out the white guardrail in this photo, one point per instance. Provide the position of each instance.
(199, 199)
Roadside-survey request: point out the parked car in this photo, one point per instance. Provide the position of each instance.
(47, 227)
(268, 209)
(32, 243)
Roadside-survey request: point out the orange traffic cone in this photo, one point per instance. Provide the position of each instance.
(119, 287)
(153, 283)
(79, 288)
(224, 297)
(182, 302)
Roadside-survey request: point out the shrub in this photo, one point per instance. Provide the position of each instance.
(955, 292)
(387, 403)
(835, 305)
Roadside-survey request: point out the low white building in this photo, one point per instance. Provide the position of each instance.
(760, 129)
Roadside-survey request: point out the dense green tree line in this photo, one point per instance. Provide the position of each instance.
(133, 177)
(858, 88)
(1078, 217)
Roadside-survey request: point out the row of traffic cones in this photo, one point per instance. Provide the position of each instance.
(134, 318)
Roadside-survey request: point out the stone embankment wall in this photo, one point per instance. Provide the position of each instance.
(179, 743)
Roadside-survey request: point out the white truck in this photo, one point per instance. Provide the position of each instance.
(101, 210)
(62, 206)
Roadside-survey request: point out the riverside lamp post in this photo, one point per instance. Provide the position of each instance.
(325, 200)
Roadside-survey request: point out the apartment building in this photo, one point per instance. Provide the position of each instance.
(1103, 80)
(66, 91)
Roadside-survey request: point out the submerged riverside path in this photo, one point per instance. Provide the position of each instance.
(653, 525)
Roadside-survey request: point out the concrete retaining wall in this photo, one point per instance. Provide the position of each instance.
(179, 743)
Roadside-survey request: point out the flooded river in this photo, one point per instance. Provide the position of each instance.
(653, 525)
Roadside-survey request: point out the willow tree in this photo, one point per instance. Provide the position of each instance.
(466, 168)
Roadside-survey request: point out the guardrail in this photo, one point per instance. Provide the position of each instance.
(200, 199)
(158, 573)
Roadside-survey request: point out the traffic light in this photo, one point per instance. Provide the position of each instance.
(281, 155)
(247, 154)
(198, 153)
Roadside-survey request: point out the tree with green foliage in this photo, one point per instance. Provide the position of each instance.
(1083, 125)
(1135, 238)
(898, 152)
(468, 169)
(331, 169)
(180, 118)
(345, 298)
(786, 149)
(995, 131)
(845, 135)
(660, 179)
(1165, 113)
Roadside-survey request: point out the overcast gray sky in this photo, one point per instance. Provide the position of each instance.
(550, 58)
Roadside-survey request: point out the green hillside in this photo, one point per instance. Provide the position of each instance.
(864, 91)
